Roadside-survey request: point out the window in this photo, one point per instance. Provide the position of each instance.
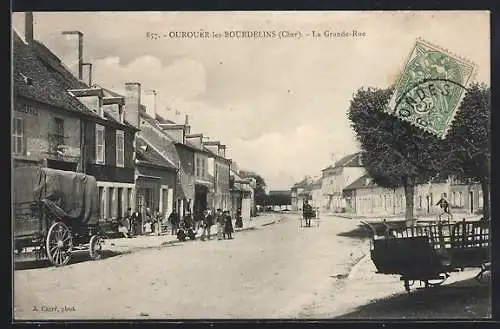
(460, 199)
(480, 200)
(18, 136)
(99, 144)
(120, 143)
(59, 131)
(203, 164)
(197, 167)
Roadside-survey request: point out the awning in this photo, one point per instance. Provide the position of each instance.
(148, 177)
(203, 182)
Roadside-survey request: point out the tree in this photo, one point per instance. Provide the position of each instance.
(394, 152)
(260, 192)
(468, 141)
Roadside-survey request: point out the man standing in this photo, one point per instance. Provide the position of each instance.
(174, 221)
(307, 213)
(208, 221)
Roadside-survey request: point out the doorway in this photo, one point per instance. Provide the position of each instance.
(471, 201)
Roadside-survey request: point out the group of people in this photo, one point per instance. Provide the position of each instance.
(189, 226)
(132, 224)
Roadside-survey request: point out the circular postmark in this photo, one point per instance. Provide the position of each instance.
(430, 103)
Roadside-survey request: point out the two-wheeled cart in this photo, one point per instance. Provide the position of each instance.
(429, 252)
(55, 213)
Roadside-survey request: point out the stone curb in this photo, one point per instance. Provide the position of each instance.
(171, 242)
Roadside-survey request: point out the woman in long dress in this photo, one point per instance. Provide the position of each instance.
(228, 225)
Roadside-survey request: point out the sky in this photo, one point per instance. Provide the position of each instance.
(280, 105)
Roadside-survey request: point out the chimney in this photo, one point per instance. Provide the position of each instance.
(132, 103)
(87, 73)
(28, 27)
(78, 72)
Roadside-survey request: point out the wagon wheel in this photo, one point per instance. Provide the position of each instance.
(95, 247)
(59, 244)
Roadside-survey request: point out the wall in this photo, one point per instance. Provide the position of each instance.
(379, 201)
(334, 181)
(39, 124)
(459, 198)
(222, 195)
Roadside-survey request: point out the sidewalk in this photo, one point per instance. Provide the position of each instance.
(155, 241)
(400, 217)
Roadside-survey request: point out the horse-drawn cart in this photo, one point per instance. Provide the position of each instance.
(429, 252)
(55, 213)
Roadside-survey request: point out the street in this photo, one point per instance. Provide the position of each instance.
(271, 272)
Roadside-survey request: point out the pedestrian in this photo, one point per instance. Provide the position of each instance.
(208, 221)
(219, 218)
(136, 220)
(174, 221)
(228, 225)
(307, 212)
(239, 219)
(444, 204)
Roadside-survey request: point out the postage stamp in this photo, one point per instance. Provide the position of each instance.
(431, 87)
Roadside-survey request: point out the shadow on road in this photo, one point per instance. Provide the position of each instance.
(363, 231)
(77, 257)
(466, 299)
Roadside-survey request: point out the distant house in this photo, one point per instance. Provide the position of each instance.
(300, 192)
(219, 168)
(365, 198)
(241, 195)
(335, 178)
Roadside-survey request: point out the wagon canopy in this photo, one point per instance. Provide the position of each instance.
(67, 194)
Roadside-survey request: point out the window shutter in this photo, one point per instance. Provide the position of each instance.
(24, 139)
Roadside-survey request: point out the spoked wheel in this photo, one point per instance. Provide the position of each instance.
(59, 244)
(95, 247)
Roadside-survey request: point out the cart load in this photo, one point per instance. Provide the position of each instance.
(428, 252)
(55, 211)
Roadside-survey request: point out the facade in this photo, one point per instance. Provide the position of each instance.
(300, 191)
(155, 180)
(241, 195)
(219, 168)
(316, 191)
(336, 178)
(465, 197)
(365, 198)
(155, 170)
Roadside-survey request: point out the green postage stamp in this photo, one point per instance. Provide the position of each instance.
(431, 88)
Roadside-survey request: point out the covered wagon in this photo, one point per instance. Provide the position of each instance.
(55, 212)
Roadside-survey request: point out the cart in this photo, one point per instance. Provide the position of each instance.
(55, 213)
(429, 252)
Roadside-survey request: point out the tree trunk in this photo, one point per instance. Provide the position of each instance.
(485, 186)
(409, 188)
